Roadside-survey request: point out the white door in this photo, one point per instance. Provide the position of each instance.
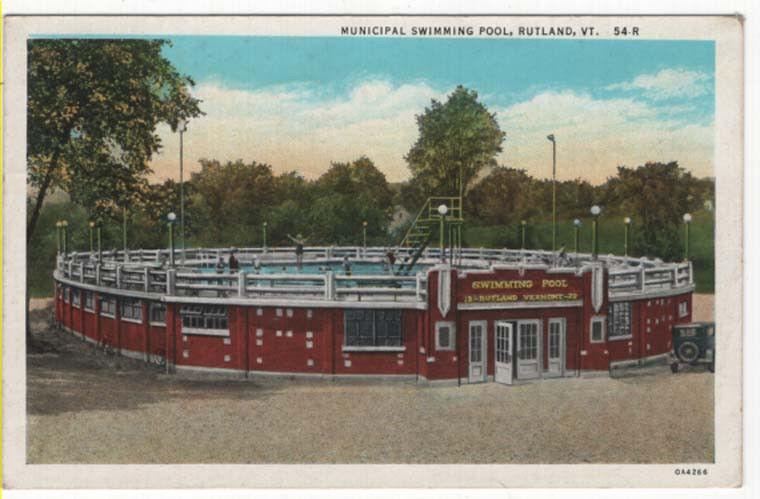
(528, 349)
(477, 369)
(503, 354)
(556, 347)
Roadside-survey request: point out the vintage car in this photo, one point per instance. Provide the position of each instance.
(693, 344)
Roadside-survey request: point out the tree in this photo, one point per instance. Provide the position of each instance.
(456, 141)
(657, 195)
(92, 110)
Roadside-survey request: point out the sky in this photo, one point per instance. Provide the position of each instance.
(300, 103)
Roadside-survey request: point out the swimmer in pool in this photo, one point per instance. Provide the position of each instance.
(300, 241)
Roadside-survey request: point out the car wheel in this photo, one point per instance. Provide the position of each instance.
(711, 367)
(688, 351)
(674, 367)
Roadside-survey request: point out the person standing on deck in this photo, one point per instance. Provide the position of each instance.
(233, 262)
(300, 241)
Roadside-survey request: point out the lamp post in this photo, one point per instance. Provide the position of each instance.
(686, 223)
(364, 234)
(171, 217)
(100, 247)
(595, 211)
(58, 235)
(554, 191)
(576, 229)
(181, 128)
(442, 210)
(264, 236)
(626, 238)
(65, 226)
(124, 230)
(523, 224)
(91, 225)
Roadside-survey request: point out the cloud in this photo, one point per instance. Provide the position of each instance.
(668, 84)
(291, 128)
(594, 136)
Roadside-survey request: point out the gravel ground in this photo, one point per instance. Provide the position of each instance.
(87, 407)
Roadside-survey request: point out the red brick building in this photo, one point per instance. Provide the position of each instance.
(507, 322)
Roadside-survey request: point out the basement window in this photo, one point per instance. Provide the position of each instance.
(683, 309)
(76, 298)
(204, 319)
(89, 301)
(373, 330)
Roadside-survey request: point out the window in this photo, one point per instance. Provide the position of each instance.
(108, 306)
(76, 298)
(556, 336)
(89, 301)
(444, 336)
(683, 309)
(157, 313)
(619, 326)
(204, 319)
(597, 329)
(66, 294)
(528, 340)
(131, 309)
(373, 328)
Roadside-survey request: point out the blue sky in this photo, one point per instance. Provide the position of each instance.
(299, 103)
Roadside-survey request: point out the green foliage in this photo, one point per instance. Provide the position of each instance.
(456, 139)
(92, 110)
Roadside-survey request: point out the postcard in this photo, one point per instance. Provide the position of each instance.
(382, 251)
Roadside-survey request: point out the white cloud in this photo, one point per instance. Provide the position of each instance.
(668, 83)
(289, 128)
(594, 136)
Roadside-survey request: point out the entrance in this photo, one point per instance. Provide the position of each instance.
(556, 347)
(528, 348)
(477, 369)
(503, 354)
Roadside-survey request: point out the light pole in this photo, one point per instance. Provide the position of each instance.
(100, 247)
(65, 226)
(364, 234)
(554, 191)
(442, 210)
(91, 225)
(686, 223)
(627, 222)
(523, 223)
(181, 128)
(58, 235)
(264, 236)
(124, 230)
(577, 228)
(172, 218)
(595, 211)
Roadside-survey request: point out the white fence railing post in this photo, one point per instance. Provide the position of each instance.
(241, 284)
(329, 286)
(97, 273)
(118, 276)
(81, 272)
(171, 282)
(146, 278)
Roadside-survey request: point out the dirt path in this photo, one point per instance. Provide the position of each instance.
(87, 407)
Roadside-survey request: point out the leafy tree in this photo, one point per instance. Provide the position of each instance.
(657, 195)
(92, 110)
(457, 139)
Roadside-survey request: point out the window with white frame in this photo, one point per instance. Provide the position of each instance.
(683, 309)
(131, 309)
(527, 340)
(66, 294)
(76, 298)
(157, 312)
(373, 328)
(89, 301)
(596, 331)
(204, 319)
(108, 306)
(445, 336)
(619, 325)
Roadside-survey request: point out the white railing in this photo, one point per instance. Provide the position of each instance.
(148, 271)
